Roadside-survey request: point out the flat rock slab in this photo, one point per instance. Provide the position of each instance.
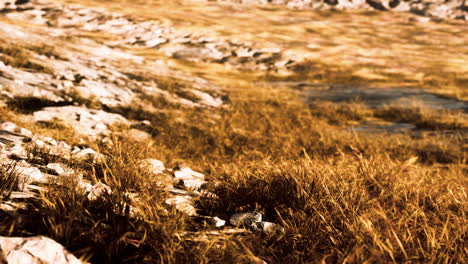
(88, 122)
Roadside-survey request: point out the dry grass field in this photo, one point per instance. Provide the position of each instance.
(342, 194)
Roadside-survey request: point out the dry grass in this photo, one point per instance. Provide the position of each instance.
(425, 118)
(350, 209)
(20, 57)
(9, 180)
(342, 197)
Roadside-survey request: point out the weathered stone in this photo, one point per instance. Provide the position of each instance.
(87, 154)
(98, 190)
(153, 166)
(192, 184)
(25, 132)
(34, 250)
(269, 227)
(216, 221)
(186, 173)
(183, 204)
(8, 126)
(31, 174)
(245, 219)
(452, 9)
(86, 122)
(84, 187)
(207, 99)
(56, 168)
(7, 137)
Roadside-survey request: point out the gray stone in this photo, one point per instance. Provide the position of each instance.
(17, 152)
(84, 187)
(8, 126)
(448, 9)
(207, 99)
(87, 154)
(31, 174)
(245, 219)
(269, 227)
(7, 137)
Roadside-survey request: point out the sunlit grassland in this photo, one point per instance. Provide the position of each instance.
(341, 196)
(395, 48)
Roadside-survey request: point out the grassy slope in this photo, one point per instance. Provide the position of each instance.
(341, 196)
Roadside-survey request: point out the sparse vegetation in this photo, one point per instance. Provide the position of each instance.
(341, 196)
(21, 57)
(9, 180)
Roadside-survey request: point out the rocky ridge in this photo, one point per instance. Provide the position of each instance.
(453, 9)
(172, 42)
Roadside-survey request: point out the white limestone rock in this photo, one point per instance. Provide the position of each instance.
(186, 173)
(192, 184)
(217, 222)
(56, 168)
(183, 204)
(87, 154)
(88, 122)
(270, 228)
(8, 126)
(98, 190)
(34, 250)
(152, 166)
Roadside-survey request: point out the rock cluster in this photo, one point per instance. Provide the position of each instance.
(21, 155)
(451, 9)
(173, 42)
(84, 74)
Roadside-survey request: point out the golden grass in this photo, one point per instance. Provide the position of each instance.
(21, 57)
(341, 196)
(9, 180)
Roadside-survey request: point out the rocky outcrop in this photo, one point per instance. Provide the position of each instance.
(451, 9)
(59, 84)
(173, 42)
(87, 122)
(24, 156)
(34, 250)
